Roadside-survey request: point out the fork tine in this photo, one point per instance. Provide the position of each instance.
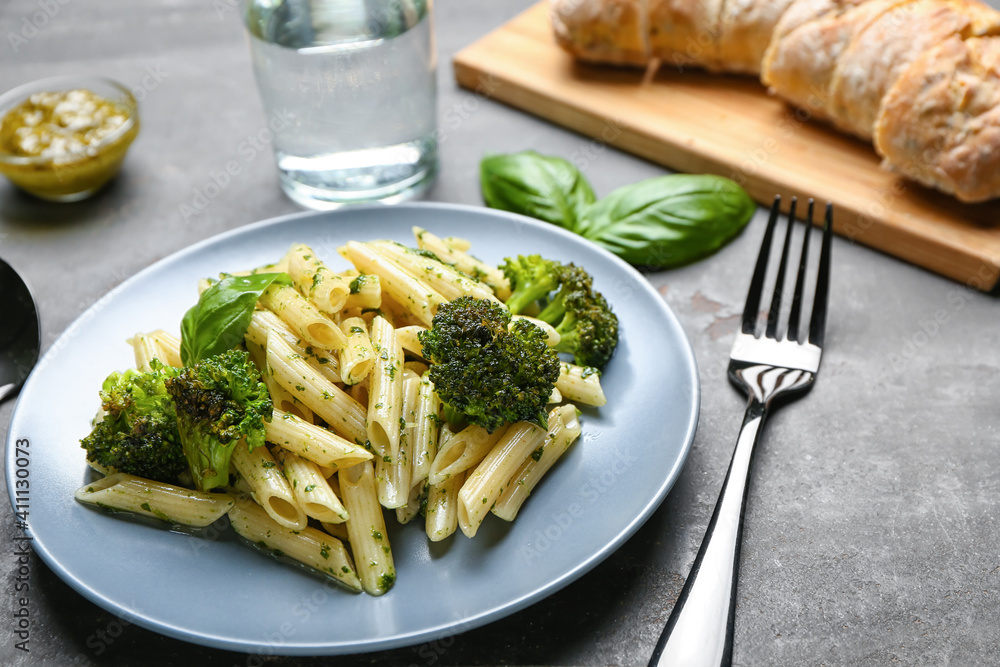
(752, 307)
(779, 283)
(817, 325)
(800, 280)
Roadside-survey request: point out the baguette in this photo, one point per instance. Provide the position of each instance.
(868, 67)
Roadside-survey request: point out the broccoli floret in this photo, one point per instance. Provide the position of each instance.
(138, 434)
(487, 370)
(531, 278)
(587, 327)
(218, 400)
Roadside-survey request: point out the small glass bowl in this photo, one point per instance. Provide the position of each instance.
(76, 175)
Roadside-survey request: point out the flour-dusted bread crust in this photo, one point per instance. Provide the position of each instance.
(940, 124)
(919, 77)
(683, 33)
(744, 32)
(883, 51)
(801, 64)
(609, 31)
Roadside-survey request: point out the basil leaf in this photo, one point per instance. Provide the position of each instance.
(540, 186)
(669, 220)
(220, 319)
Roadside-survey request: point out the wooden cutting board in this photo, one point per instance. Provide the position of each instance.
(697, 122)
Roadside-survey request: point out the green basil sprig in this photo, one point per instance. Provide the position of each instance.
(220, 319)
(539, 186)
(660, 222)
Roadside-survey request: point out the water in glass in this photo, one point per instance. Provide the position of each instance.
(354, 81)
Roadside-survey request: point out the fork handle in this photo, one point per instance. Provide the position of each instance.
(699, 632)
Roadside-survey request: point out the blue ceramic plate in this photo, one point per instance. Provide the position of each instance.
(603, 489)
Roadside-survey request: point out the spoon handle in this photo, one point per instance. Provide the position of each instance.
(7, 389)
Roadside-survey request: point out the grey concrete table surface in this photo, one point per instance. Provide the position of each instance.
(872, 528)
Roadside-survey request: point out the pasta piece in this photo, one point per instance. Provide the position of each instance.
(366, 528)
(155, 345)
(580, 384)
(445, 279)
(282, 399)
(418, 298)
(442, 507)
(309, 546)
(263, 321)
(564, 429)
(464, 262)
(357, 357)
(418, 368)
(385, 390)
(490, 478)
(556, 396)
(366, 292)
(394, 477)
(409, 511)
(327, 290)
(173, 504)
(311, 489)
(145, 349)
(304, 318)
(463, 451)
(269, 487)
(338, 530)
(457, 243)
(341, 412)
(170, 345)
(425, 430)
(312, 442)
(407, 337)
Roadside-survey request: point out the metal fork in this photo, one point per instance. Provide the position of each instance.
(769, 369)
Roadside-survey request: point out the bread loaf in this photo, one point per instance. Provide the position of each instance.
(920, 78)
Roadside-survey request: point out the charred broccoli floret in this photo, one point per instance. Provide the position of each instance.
(218, 401)
(531, 278)
(138, 433)
(488, 370)
(587, 327)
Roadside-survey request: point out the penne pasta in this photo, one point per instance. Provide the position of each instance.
(312, 442)
(464, 262)
(394, 477)
(155, 345)
(385, 390)
(173, 504)
(341, 412)
(463, 450)
(446, 280)
(365, 292)
(357, 356)
(418, 298)
(426, 428)
(264, 321)
(564, 429)
(268, 486)
(309, 546)
(281, 398)
(326, 290)
(311, 489)
(366, 528)
(408, 338)
(489, 479)
(442, 507)
(302, 317)
(580, 384)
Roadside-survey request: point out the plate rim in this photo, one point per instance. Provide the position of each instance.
(449, 627)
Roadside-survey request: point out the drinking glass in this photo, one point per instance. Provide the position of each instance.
(349, 89)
